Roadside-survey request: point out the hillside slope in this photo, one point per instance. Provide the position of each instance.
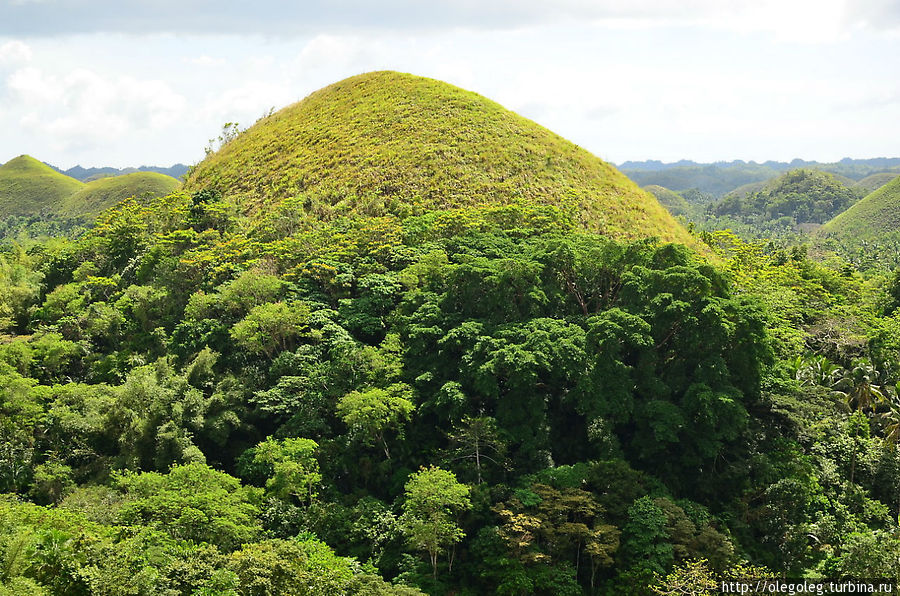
(29, 187)
(386, 143)
(671, 200)
(875, 181)
(103, 193)
(875, 216)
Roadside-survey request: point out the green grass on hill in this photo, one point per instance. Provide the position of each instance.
(874, 217)
(102, 193)
(386, 143)
(875, 181)
(744, 191)
(671, 200)
(29, 187)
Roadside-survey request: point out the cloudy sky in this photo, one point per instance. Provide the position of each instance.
(127, 83)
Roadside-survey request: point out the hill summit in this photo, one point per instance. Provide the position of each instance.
(875, 217)
(30, 187)
(102, 193)
(387, 143)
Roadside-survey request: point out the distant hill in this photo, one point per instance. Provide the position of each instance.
(30, 187)
(798, 200)
(742, 192)
(720, 178)
(671, 200)
(103, 193)
(875, 181)
(875, 217)
(392, 144)
(176, 171)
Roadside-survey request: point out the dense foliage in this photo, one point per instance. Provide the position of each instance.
(799, 196)
(471, 401)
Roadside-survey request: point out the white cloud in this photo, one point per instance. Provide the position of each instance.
(331, 50)
(803, 20)
(84, 109)
(246, 103)
(15, 52)
(205, 61)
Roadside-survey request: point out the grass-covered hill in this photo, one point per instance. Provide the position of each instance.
(386, 143)
(875, 181)
(101, 194)
(671, 200)
(29, 187)
(874, 217)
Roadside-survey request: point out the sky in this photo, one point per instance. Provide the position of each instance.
(150, 82)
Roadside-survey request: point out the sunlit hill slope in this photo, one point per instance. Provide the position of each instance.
(386, 143)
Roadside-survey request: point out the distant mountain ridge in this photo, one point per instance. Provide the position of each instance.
(721, 178)
(655, 165)
(87, 174)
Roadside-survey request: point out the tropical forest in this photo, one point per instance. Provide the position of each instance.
(395, 339)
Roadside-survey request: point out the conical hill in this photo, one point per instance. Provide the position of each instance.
(386, 143)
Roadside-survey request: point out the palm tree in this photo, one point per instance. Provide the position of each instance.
(816, 370)
(891, 428)
(862, 394)
(858, 386)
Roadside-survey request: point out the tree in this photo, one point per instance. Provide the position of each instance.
(271, 328)
(192, 502)
(645, 541)
(372, 412)
(858, 386)
(433, 499)
(295, 471)
(861, 393)
(477, 440)
(558, 526)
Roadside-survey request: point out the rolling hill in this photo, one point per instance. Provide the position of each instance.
(875, 216)
(30, 187)
(671, 200)
(803, 196)
(102, 193)
(386, 143)
(875, 181)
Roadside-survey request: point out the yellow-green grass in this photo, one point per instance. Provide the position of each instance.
(103, 193)
(746, 190)
(387, 143)
(875, 216)
(875, 181)
(29, 187)
(671, 200)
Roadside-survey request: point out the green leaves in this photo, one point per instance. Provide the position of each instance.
(433, 499)
(295, 471)
(271, 328)
(368, 414)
